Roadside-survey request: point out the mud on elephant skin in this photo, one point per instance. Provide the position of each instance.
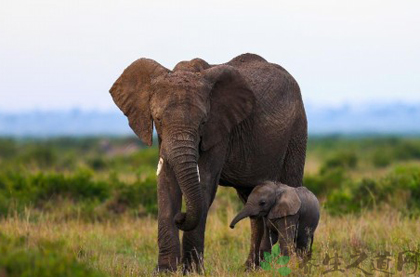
(232, 124)
(291, 213)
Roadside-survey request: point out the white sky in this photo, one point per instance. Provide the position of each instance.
(66, 54)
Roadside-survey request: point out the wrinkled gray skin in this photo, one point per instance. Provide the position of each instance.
(291, 214)
(240, 123)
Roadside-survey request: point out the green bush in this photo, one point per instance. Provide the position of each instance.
(40, 187)
(400, 189)
(97, 163)
(42, 190)
(326, 181)
(381, 158)
(341, 159)
(46, 175)
(45, 259)
(141, 194)
(8, 148)
(405, 179)
(19, 189)
(407, 150)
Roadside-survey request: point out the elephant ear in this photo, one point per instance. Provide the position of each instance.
(131, 93)
(287, 203)
(231, 102)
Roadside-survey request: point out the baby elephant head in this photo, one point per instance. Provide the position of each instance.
(271, 200)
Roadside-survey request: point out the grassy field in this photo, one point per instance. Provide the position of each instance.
(87, 207)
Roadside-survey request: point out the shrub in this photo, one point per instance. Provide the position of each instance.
(141, 194)
(97, 163)
(341, 159)
(381, 158)
(42, 190)
(406, 179)
(41, 156)
(45, 259)
(326, 181)
(369, 193)
(407, 150)
(23, 189)
(8, 148)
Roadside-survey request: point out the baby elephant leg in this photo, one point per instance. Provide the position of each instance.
(287, 230)
(268, 240)
(257, 233)
(304, 242)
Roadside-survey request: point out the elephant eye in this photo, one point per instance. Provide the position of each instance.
(262, 202)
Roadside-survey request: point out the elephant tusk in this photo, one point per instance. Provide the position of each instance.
(198, 173)
(159, 166)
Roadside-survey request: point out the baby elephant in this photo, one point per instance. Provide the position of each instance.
(291, 213)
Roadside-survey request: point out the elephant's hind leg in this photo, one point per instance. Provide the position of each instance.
(294, 161)
(287, 229)
(304, 245)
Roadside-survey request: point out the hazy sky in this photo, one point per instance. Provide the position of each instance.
(66, 54)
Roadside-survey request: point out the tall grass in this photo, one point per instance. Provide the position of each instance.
(126, 246)
(88, 207)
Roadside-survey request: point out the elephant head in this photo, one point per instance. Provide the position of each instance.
(271, 200)
(194, 107)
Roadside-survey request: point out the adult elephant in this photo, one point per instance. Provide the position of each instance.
(235, 124)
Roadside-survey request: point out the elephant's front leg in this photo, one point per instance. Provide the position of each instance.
(257, 232)
(210, 166)
(193, 247)
(169, 202)
(269, 239)
(193, 241)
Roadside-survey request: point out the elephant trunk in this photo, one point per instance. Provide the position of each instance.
(183, 157)
(241, 215)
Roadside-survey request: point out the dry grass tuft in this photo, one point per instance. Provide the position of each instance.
(127, 246)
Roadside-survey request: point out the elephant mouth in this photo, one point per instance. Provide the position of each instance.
(259, 215)
(262, 214)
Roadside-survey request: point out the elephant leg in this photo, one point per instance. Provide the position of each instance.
(287, 231)
(169, 203)
(269, 239)
(210, 165)
(294, 160)
(257, 233)
(304, 245)
(193, 247)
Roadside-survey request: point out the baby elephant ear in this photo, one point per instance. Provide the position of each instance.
(287, 203)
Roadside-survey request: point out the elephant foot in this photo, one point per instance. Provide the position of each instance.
(164, 269)
(251, 265)
(193, 267)
(193, 262)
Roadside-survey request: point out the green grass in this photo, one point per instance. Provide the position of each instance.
(126, 246)
(88, 206)
(19, 257)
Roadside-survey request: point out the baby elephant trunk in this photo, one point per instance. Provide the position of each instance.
(242, 214)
